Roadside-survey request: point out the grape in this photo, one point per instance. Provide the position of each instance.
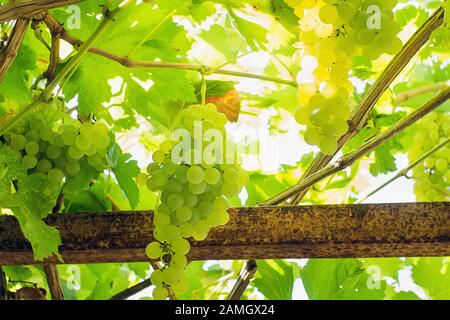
(82, 142)
(53, 152)
(55, 176)
(36, 125)
(172, 275)
(195, 175)
(44, 165)
(213, 219)
(179, 261)
(72, 168)
(172, 232)
(312, 136)
(159, 178)
(205, 208)
(197, 188)
(68, 137)
(29, 161)
(18, 142)
(186, 229)
(230, 189)
(154, 250)
(152, 167)
(441, 165)
(157, 278)
(328, 14)
(141, 179)
(160, 293)
(180, 287)
(174, 186)
(190, 200)
(46, 133)
(94, 160)
(74, 153)
(212, 176)
(181, 246)
(102, 142)
(169, 167)
(161, 219)
(100, 128)
(175, 201)
(220, 204)
(328, 145)
(231, 175)
(319, 117)
(32, 136)
(224, 217)
(32, 148)
(158, 156)
(184, 213)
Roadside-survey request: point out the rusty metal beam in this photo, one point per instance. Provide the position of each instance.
(374, 230)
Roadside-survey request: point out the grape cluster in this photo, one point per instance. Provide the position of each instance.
(432, 177)
(333, 32)
(57, 150)
(193, 195)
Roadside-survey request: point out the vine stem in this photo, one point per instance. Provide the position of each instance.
(404, 172)
(12, 48)
(362, 111)
(369, 146)
(68, 68)
(55, 26)
(405, 96)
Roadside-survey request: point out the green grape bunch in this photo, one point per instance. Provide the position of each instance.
(193, 196)
(58, 150)
(334, 32)
(432, 177)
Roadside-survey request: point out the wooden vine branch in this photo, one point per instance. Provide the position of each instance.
(27, 9)
(243, 280)
(15, 39)
(369, 100)
(54, 59)
(132, 290)
(55, 26)
(374, 230)
(54, 284)
(367, 147)
(405, 96)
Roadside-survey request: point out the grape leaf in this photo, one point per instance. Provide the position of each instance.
(384, 160)
(339, 279)
(254, 34)
(433, 275)
(274, 279)
(232, 42)
(125, 171)
(15, 84)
